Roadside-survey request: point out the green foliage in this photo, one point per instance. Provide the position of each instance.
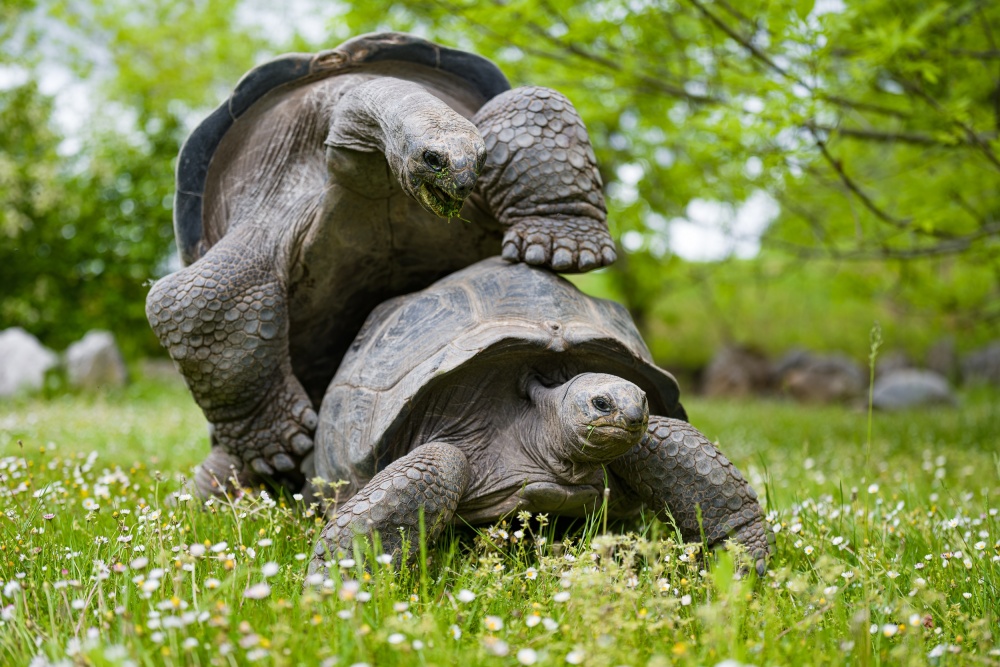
(105, 560)
(873, 124)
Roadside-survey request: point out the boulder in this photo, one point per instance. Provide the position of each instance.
(891, 362)
(23, 362)
(942, 358)
(983, 365)
(911, 388)
(811, 378)
(94, 362)
(737, 371)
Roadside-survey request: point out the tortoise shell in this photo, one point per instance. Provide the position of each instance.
(295, 69)
(491, 315)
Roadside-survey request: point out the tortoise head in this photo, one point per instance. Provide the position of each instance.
(439, 160)
(595, 418)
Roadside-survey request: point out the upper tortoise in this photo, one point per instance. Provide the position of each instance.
(503, 388)
(322, 187)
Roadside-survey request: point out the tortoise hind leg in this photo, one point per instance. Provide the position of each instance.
(224, 321)
(676, 467)
(432, 478)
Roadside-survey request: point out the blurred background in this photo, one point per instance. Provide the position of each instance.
(780, 175)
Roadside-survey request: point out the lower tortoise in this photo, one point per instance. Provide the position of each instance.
(461, 403)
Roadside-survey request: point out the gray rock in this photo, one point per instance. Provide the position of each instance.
(942, 358)
(737, 371)
(831, 378)
(94, 362)
(983, 365)
(909, 388)
(23, 362)
(893, 361)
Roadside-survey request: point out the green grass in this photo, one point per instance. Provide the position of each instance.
(887, 560)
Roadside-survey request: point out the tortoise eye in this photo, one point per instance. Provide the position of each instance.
(602, 404)
(434, 160)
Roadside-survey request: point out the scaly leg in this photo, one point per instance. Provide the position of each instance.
(225, 323)
(676, 467)
(432, 477)
(541, 181)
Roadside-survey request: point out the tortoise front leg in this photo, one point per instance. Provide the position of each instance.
(224, 322)
(541, 181)
(676, 467)
(432, 478)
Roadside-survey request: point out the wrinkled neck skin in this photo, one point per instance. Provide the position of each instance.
(402, 120)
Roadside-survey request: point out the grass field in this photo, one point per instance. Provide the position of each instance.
(886, 554)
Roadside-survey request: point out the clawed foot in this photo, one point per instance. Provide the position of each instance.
(275, 437)
(568, 246)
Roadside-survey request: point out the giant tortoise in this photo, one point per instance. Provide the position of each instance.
(503, 388)
(322, 187)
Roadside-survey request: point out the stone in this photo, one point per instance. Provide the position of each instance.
(911, 388)
(830, 378)
(737, 371)
(942, 358)
(892, 361)
(23, 362)
(982, 366)
(94, 362)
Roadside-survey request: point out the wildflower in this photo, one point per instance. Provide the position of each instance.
(892, 574)
(531, 573)
(493, 623)
(497, 647)
(383, 559)
(873, 488)
(396, 638)
(685, 600)
(809, 550)
(417, 645)
(48, 517)
(980, 545)
(532, 620)
(837, 541)
(575, 657)
(561, 596)
(915, 620)
(967, 596)
(849, 574)
(465, 595)
(212, 582)
(139, 563)
(197, 550)
(349, 590)
(300, 556)
(456, 632)
(829, 590)
(270, 569)
(220, 547)
(550, 624)
(527, 656)
(400, 607)
(257, 591)
(347, 563)
(266, 542)
(889, 629)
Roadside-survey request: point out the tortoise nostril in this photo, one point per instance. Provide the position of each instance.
(435, 160)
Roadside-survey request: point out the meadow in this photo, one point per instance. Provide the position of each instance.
(887, 552)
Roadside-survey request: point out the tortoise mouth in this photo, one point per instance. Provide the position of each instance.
(439, 202)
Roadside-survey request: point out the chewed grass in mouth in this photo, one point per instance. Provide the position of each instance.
(440, 202)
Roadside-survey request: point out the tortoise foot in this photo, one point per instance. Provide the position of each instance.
(274, 438)
(681, 475)
(429, 480)
(564, 245)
